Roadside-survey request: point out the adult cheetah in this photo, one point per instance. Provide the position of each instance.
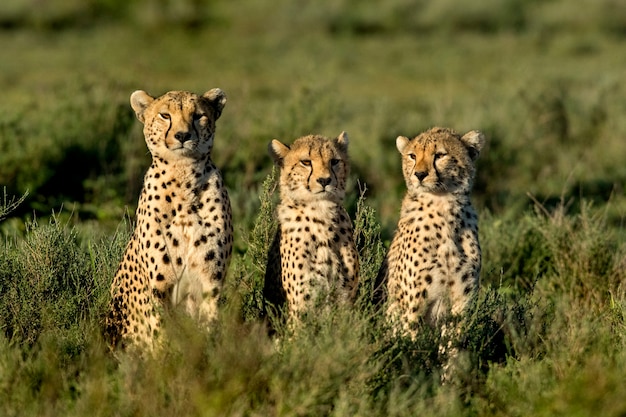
(182, 242)
(433, 264)
(313, 255)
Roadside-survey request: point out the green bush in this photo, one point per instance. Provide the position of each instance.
(545, 331)
(51, 282)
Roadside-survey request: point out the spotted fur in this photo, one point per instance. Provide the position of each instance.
(433, 264)
(313, 254)
(182, 243)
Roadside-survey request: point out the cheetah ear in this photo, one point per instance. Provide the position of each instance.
(217, 98)
(343, 141)
(474, 141)
(402, 142)
(278, 151)
(139, 101)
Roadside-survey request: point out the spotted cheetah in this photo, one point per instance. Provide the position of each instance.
(433, 263)
(313, 255)
(182, 242)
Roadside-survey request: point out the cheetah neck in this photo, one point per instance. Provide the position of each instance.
(308, 203)
(187, 174)
(443, 203)
(322, 208)
(177, 191)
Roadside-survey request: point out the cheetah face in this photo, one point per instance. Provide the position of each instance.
(312, 168)
(179, 124)
(440, 160)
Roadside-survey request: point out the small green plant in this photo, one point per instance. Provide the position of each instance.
(10, 204)
(367, 236)
(49, 282)
(249, 270)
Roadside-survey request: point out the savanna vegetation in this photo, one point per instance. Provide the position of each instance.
(544, 80)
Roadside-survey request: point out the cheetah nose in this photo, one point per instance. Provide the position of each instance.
(324, 181)
(182, 137)
(421, 175)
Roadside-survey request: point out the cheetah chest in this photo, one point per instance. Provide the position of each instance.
(313, 240)
(187, 235)
(437, 253)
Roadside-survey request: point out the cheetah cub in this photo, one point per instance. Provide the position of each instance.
(181, 246)
(434, 260)
(313, 255)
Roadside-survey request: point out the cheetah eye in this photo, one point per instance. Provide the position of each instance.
(412, 156)
(334, 162)
(306, 162)
(439, 155)
(198, 116)
(164, 116)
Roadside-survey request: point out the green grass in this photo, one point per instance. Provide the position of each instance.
(543, 80)
(557, 342)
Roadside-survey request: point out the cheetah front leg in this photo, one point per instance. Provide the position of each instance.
(208, 300)
(350, 277)
(198, 295)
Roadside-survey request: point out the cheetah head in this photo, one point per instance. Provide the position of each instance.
(179, 123)
(440, 160)
(312, 168)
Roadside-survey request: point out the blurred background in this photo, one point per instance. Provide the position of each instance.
(544, 79)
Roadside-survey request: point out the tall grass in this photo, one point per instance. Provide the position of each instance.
(554, 338)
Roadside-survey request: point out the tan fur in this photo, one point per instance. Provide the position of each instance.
(433, 264)
(313, 253)
(182, 243)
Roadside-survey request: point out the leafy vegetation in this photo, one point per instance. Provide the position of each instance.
(546, 334)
